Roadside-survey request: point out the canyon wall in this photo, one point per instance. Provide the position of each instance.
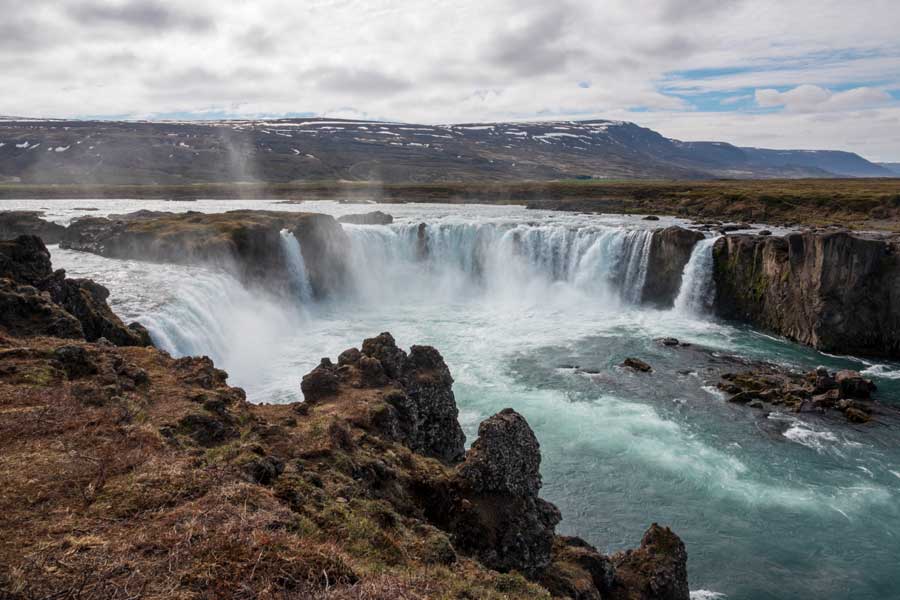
(834, 291)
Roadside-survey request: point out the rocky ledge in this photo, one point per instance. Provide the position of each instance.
(835, 291)
(245, 241)
(817, 391)
(129, 473)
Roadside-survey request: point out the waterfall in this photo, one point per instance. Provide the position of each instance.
(211, 312)
(697, 291)
(637, 253)
(299, 279)
(509, 259)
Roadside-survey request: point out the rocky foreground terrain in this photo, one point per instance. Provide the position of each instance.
(126, 473)
(291, 150)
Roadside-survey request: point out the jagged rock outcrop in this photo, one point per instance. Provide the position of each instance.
(770, 385)
(670, 251)
(14, 223)
(834, 291)
(497, 514)
(420, 409)
(36, 300)
(657, 570)
(247, 241)
(371, 218)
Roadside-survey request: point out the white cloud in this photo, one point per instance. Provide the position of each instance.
(812, 98)
(466, 60)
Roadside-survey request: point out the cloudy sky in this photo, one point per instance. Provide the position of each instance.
(774, 73)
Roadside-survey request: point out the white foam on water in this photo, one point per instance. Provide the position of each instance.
(706, 595)
(803, 434)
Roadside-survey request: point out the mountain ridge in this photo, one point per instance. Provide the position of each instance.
(318, 149)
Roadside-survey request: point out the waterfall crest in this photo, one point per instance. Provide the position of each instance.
(697, 292)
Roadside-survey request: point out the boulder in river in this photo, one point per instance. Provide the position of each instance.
(636, 364)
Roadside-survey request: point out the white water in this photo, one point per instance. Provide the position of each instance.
(698, 290)
(296, 267)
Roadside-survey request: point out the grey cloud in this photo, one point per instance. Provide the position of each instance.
(140, 14)
(684, 10)
(537, 47)
(355, 81)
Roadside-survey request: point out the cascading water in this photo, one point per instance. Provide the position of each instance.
(501, 258)
(697, 292)
(296, 266)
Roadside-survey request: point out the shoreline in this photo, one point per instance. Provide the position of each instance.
(857, 204)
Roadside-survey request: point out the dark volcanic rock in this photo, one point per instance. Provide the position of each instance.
(25, 311)
(655, 571)
(420, 409)
(637, 364)
(372, 218)
(14, 223)
(819, 390)
(506, 457)
(833, 291)
(500, 517)
(39, 301)
(25, 260)
(321, 382)
(670, 250)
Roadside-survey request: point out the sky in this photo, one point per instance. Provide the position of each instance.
(769, 73)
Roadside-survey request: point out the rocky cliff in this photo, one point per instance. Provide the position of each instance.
(246, 241)
(128, 473)
(670, 251)
(834, 291)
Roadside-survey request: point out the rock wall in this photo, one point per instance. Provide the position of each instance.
(834, 291)
(246, 241)
(670, 251)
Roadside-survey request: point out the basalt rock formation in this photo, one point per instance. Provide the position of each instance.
(35, 300)
(817, 391)
(420, 409)
(670, 251)
(247, 241)
(834, 291)
(14, 223)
